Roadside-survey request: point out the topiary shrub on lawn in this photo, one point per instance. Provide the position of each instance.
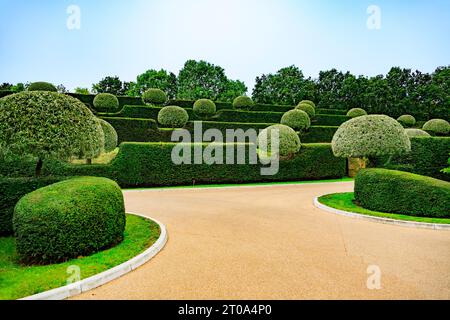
(412, 133)
(401, 192)
(407, 120)
(243, 102)
(309, 109)
(106, 102)
(173, 117)
(154, 96)
(289, 141)
(296, 119)
(356, 112)
(72, 218)
(42, 86)
(111, 138)
(204, 108)
(437, 126)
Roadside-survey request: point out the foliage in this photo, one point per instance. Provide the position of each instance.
(356, 112)
(110, 133)
(243, 102)
(308, 108)
(288, 140)
(80, 90)
(437, 126)
(412, 133)
(112, 85)
(407, 120)
(106, 102)
(204, 108)
(296, 119)
(173, 117)
(163, 80)
(154, 96)
(312, 104)
(42, 86)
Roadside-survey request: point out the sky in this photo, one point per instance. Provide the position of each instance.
(246, 37)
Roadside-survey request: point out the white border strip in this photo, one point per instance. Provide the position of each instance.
(108, 275)
(402, 223)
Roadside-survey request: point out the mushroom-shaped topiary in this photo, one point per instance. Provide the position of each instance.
(288, 143)
(370, 136)
(296, 119)
(42, 86)
(437, 126)
(106, 102)
(312, 104)
(407, 120)
(173, 117)
(356, 112)
(243, 102)
(309, 109)
(204, 108)
(154, 96)
(412, 133)
(110, 133)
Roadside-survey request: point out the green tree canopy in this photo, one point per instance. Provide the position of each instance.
(112, 85)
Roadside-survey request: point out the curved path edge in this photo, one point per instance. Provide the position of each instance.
(403, 223)
(108, 275)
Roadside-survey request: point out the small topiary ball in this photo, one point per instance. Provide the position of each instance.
(312, 104)
(309, 109)
(111, 137)
(204, 108)
(154, 96)
(407, 120)
(243, 102)
(412, 133)
(437, 126)
(106, 102)
(42, 86)
(356, 112)
(173, 117)
(289, 141)
(296, 119)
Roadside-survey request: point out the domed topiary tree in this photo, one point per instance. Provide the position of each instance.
(437, 126)
(204, 108)
(42, 86)
(407, 120)
(308, 108)
(173, 117)
(296, 119)
(243, 102)
(48, 125)
(106, 102)
(356, 112)
(154, 96)
(312, 104)
(111, 138)
(416, 133)
(289, 141)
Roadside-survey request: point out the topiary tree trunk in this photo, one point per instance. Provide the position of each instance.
(38, 169)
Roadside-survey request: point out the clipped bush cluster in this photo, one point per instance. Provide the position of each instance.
(296, 119)
(68, 219)
(308, 108)
(312, 104)
(154, 96)
(106, 102)
(111, 138)
(288, 141)
(204, 108)
(407, 120)
(243, 102)
(173, 117)
(416, 133)
(437, 126)
(356, 112)
(42, 86)
(401, 192)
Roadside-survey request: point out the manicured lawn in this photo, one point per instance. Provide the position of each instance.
(344, 201)
(18, 281)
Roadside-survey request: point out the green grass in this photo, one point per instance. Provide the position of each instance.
(18, 281)
(345, 202)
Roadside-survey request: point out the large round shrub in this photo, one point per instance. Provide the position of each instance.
(412, 133)
(204, 108)
(289, 141)
(154, 96)
(68, 219)
(312, 104)
(407, 120)
(173, 117)
(111, 138)
(437, 126)
(370, 136)
(42, 86)
(296, 119)
(356, 112)
(106, 102)
(309, 109)
(243, 102)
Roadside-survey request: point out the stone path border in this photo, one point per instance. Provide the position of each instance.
(403, 223)
(108, 275)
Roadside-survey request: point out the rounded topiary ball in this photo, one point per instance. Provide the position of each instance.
(370, 136)
(356, 112)
(309, 109)
(407, 120)
(296, 119)
(204, 108)
(111, 137)
(173, 117)
(106, 102)
(154, 96)
(289, 141)
(312, 104)
(416, 133)
(42, 86)
(437, 126)
(243, 102)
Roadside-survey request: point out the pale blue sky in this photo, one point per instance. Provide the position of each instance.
(246, 37)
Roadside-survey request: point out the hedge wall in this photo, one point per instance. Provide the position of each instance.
(138, 130)
(4, 93)
(89, 99)
(329, 120)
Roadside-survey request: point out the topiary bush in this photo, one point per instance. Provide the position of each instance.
(401, 192)
(68, 219)
(111, 137)
(309, 109)
(356, 112)
(296, 119)
(412, 133)
(312, 104)
(289, 141)
(154, 96)
(243, 102)
(173, 117)
(437, 126)
(42, 86)
(407, 120)
(204, 108)
(106, 102)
